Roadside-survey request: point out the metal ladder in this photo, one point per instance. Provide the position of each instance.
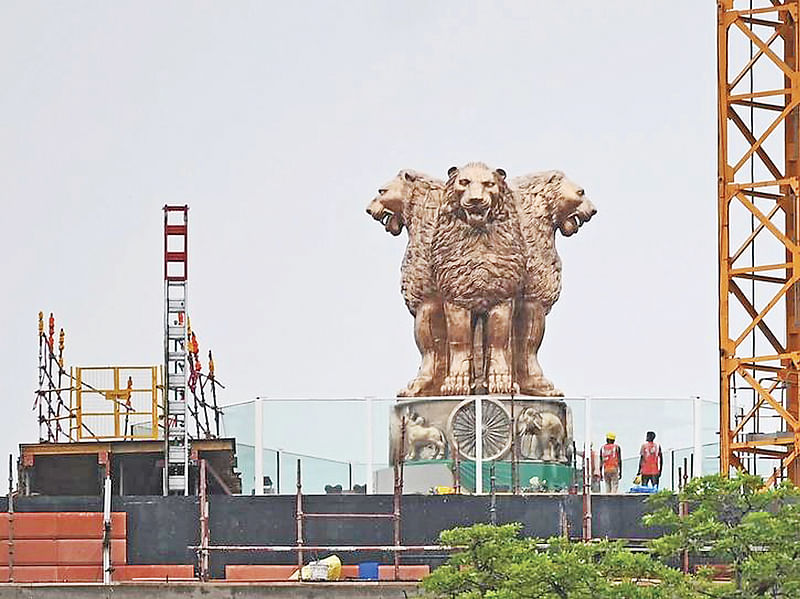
(176, 433)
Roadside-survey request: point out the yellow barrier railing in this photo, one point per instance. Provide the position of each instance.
(115, 402)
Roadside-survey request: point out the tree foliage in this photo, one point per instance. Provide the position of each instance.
(735, 522)
(752, 532)
(497, 563)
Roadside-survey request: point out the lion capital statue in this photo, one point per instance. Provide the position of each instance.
(481, 272)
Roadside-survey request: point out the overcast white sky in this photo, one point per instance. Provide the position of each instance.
(277, 121)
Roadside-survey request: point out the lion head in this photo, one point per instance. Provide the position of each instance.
(571, 208)
(476, 194)
(389, 206)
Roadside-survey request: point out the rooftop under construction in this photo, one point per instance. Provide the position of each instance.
(140, 426)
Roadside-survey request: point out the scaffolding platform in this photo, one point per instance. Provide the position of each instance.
(136, 467)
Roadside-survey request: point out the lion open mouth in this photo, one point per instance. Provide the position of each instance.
(476, 214)
(574, 221)
(391, 222)
(570, 225)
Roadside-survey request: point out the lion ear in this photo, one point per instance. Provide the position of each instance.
(501, 173)
(452, 171)
(409, 176)
(553, 176)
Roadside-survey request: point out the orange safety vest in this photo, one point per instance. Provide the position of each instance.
(650, 452)
(609, 454)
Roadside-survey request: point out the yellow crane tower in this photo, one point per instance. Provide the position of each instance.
(759, 251)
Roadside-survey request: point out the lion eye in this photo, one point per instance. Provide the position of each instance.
(381, 191)
(581, 193)
(488, 183)
(464, 182)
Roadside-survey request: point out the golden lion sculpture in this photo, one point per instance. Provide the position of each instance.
(412, 200)
(546, 202)
(478, 264)
(499, 286)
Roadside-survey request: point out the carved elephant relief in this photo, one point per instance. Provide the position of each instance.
(542, 436)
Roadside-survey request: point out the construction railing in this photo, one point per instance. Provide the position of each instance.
(115, 402)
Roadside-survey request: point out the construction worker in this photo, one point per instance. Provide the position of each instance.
(611, 463)
(651, 461)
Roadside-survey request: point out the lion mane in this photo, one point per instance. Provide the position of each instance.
(478, 267)
(419, 216)
(537, 196)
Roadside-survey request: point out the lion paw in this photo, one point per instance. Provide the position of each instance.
(500, 383)
(540, 387)
(457, 384)
(498, 379)
(415, 388)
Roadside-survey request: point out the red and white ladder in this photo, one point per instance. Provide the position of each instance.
(176, 430)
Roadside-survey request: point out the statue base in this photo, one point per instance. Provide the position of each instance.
(535, 429)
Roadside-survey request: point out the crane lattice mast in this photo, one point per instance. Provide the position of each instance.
(759, 253)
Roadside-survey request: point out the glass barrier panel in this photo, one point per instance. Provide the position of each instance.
(332, 438)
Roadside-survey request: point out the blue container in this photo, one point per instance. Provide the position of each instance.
(368, 571)
(643, 489)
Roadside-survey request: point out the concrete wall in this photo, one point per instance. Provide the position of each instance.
(339, 590)
(160, 529)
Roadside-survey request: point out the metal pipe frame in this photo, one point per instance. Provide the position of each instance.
(205, 534)
(759, 208)
(302, 548)
(492, 495)
(300, 517)
(586, 528)
(48, 397)
(11, 546)
(514, 452)
(107, 566)
(398, 496)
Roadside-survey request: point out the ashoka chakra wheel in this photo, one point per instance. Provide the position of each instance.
(496, 428)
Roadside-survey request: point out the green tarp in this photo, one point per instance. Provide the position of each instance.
(551, 477)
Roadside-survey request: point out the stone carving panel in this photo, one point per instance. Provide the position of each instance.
(438, 427)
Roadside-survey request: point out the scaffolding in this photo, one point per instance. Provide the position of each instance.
(135, 403)
(204, 549)
(93, 403)
(114, 403)
(759, 254)
(53, 411)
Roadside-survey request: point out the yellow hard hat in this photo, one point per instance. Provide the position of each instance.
(611, 436)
